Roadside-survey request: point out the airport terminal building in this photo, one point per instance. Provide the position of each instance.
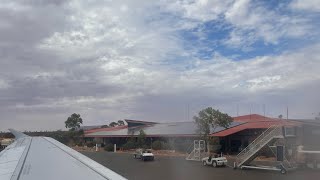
(241, 132)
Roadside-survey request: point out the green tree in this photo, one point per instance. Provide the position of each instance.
(104, 126)
(141, 138)
(280, 116)
(130, 144)
(120, 123)
(73, 122)
(109, 147)
(157, 145)
(75, 137)
(210, 118)
(113, 124)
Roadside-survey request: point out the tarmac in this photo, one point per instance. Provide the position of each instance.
(177, 168)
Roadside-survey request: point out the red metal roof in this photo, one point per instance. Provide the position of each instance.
(254, 121)
(154, 135)
(253, 117)
(253, 125)
(139, 121)
(106, 129)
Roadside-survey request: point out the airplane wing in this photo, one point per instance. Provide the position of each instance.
(37, 158)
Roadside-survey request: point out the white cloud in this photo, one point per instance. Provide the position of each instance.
(308, 5)
(249, 21)
(103, 29)
(259, 75)
(218, 78)
(4, 84)
(202, 10)
(129, 30)
(288, 70)
(253, 22)
(263, 82)
(109, 60)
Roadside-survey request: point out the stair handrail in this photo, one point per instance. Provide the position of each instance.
(265, 135)
(188, 157)
(264, 138)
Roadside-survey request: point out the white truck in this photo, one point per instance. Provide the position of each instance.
(214, 161)
(143, 154)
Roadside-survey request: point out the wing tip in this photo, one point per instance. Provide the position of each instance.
(17, 134)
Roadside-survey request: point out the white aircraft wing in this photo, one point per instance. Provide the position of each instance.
(38, 158)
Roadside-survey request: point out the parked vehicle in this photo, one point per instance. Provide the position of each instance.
(214, 161)
(143, 154)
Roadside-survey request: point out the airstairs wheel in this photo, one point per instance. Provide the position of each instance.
(283, 171)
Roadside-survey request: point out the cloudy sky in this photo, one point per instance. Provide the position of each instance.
(110, 60)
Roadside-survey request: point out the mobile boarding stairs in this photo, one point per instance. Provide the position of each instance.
(198, 151)
(267, 138)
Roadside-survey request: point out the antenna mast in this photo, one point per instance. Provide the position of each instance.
(237, 109)
(264, 111)
(188, 111)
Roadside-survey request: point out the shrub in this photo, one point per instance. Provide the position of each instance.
(90, 144)
(157, 145)
(145, 146)
(166, 146)
(129, 145)
(108, 147)
(80, 143)
(141, 140)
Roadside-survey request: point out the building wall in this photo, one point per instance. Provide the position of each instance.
(234, 143)
(311, 137)
(182, 144)
(309, 140)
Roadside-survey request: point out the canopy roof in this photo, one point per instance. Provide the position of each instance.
(185, 129)
(153, 130)
(255, 121)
